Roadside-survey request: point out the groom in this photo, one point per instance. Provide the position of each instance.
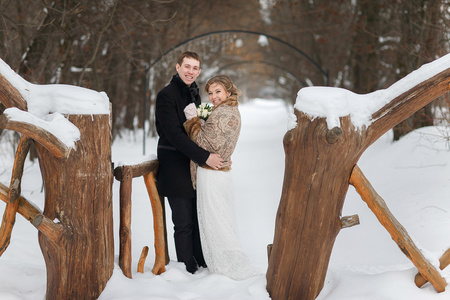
(175, 150)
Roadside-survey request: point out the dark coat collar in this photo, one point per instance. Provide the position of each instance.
(177, 80)
(191, 90)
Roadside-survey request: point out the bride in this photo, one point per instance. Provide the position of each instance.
(215, 194)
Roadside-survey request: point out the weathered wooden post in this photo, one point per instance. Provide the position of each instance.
(308, 218)
(319, 163)
(76, 225)
(78, 193)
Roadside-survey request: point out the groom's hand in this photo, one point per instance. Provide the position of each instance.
(214, 161)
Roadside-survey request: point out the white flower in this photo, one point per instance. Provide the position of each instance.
(204, 110)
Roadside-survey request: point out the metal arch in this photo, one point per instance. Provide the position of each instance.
(326, 73)
(304, 84)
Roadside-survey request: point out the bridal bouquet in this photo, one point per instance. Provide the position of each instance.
(204, 110)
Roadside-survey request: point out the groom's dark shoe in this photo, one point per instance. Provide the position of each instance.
(191, 265)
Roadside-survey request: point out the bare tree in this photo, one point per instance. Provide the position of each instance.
(110, 45)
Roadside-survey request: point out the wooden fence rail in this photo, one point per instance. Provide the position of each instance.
(395, 229)
(125, 175)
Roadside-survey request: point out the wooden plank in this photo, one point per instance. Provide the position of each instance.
(395, 229)
(137, 170)
(350, 221)
(444, 261)
(12, 205)
(25, 209)
(144, 253)
(34, 216)
(52, 231)
(158, 225)
(125, 223)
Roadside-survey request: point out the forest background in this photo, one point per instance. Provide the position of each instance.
(271, 48)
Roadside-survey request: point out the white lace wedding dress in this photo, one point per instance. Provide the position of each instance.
(218, 226)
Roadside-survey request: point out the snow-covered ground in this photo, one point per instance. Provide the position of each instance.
(412, 175)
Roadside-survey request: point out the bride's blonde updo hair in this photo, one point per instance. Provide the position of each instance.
(226, 82)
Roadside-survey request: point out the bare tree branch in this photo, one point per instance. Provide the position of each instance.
(97, 46)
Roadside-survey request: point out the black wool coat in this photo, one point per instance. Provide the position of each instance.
(175, 148)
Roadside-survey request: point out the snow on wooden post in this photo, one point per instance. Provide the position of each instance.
(334, 127)
(74, 152)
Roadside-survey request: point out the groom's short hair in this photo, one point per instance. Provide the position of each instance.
(188, 54)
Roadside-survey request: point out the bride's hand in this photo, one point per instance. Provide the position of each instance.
(190, 111)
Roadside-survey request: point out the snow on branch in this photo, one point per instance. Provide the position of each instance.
(54, 132)
(65, 99)
(332, 103)
(41, 108)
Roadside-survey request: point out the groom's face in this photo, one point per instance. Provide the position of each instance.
(189, 70)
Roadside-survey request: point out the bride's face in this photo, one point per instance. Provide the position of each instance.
(217, 93)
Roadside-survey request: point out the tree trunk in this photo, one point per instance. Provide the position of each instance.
(315, 184)
(78, 193)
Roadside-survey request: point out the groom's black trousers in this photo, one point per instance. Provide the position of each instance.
(186, 235)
